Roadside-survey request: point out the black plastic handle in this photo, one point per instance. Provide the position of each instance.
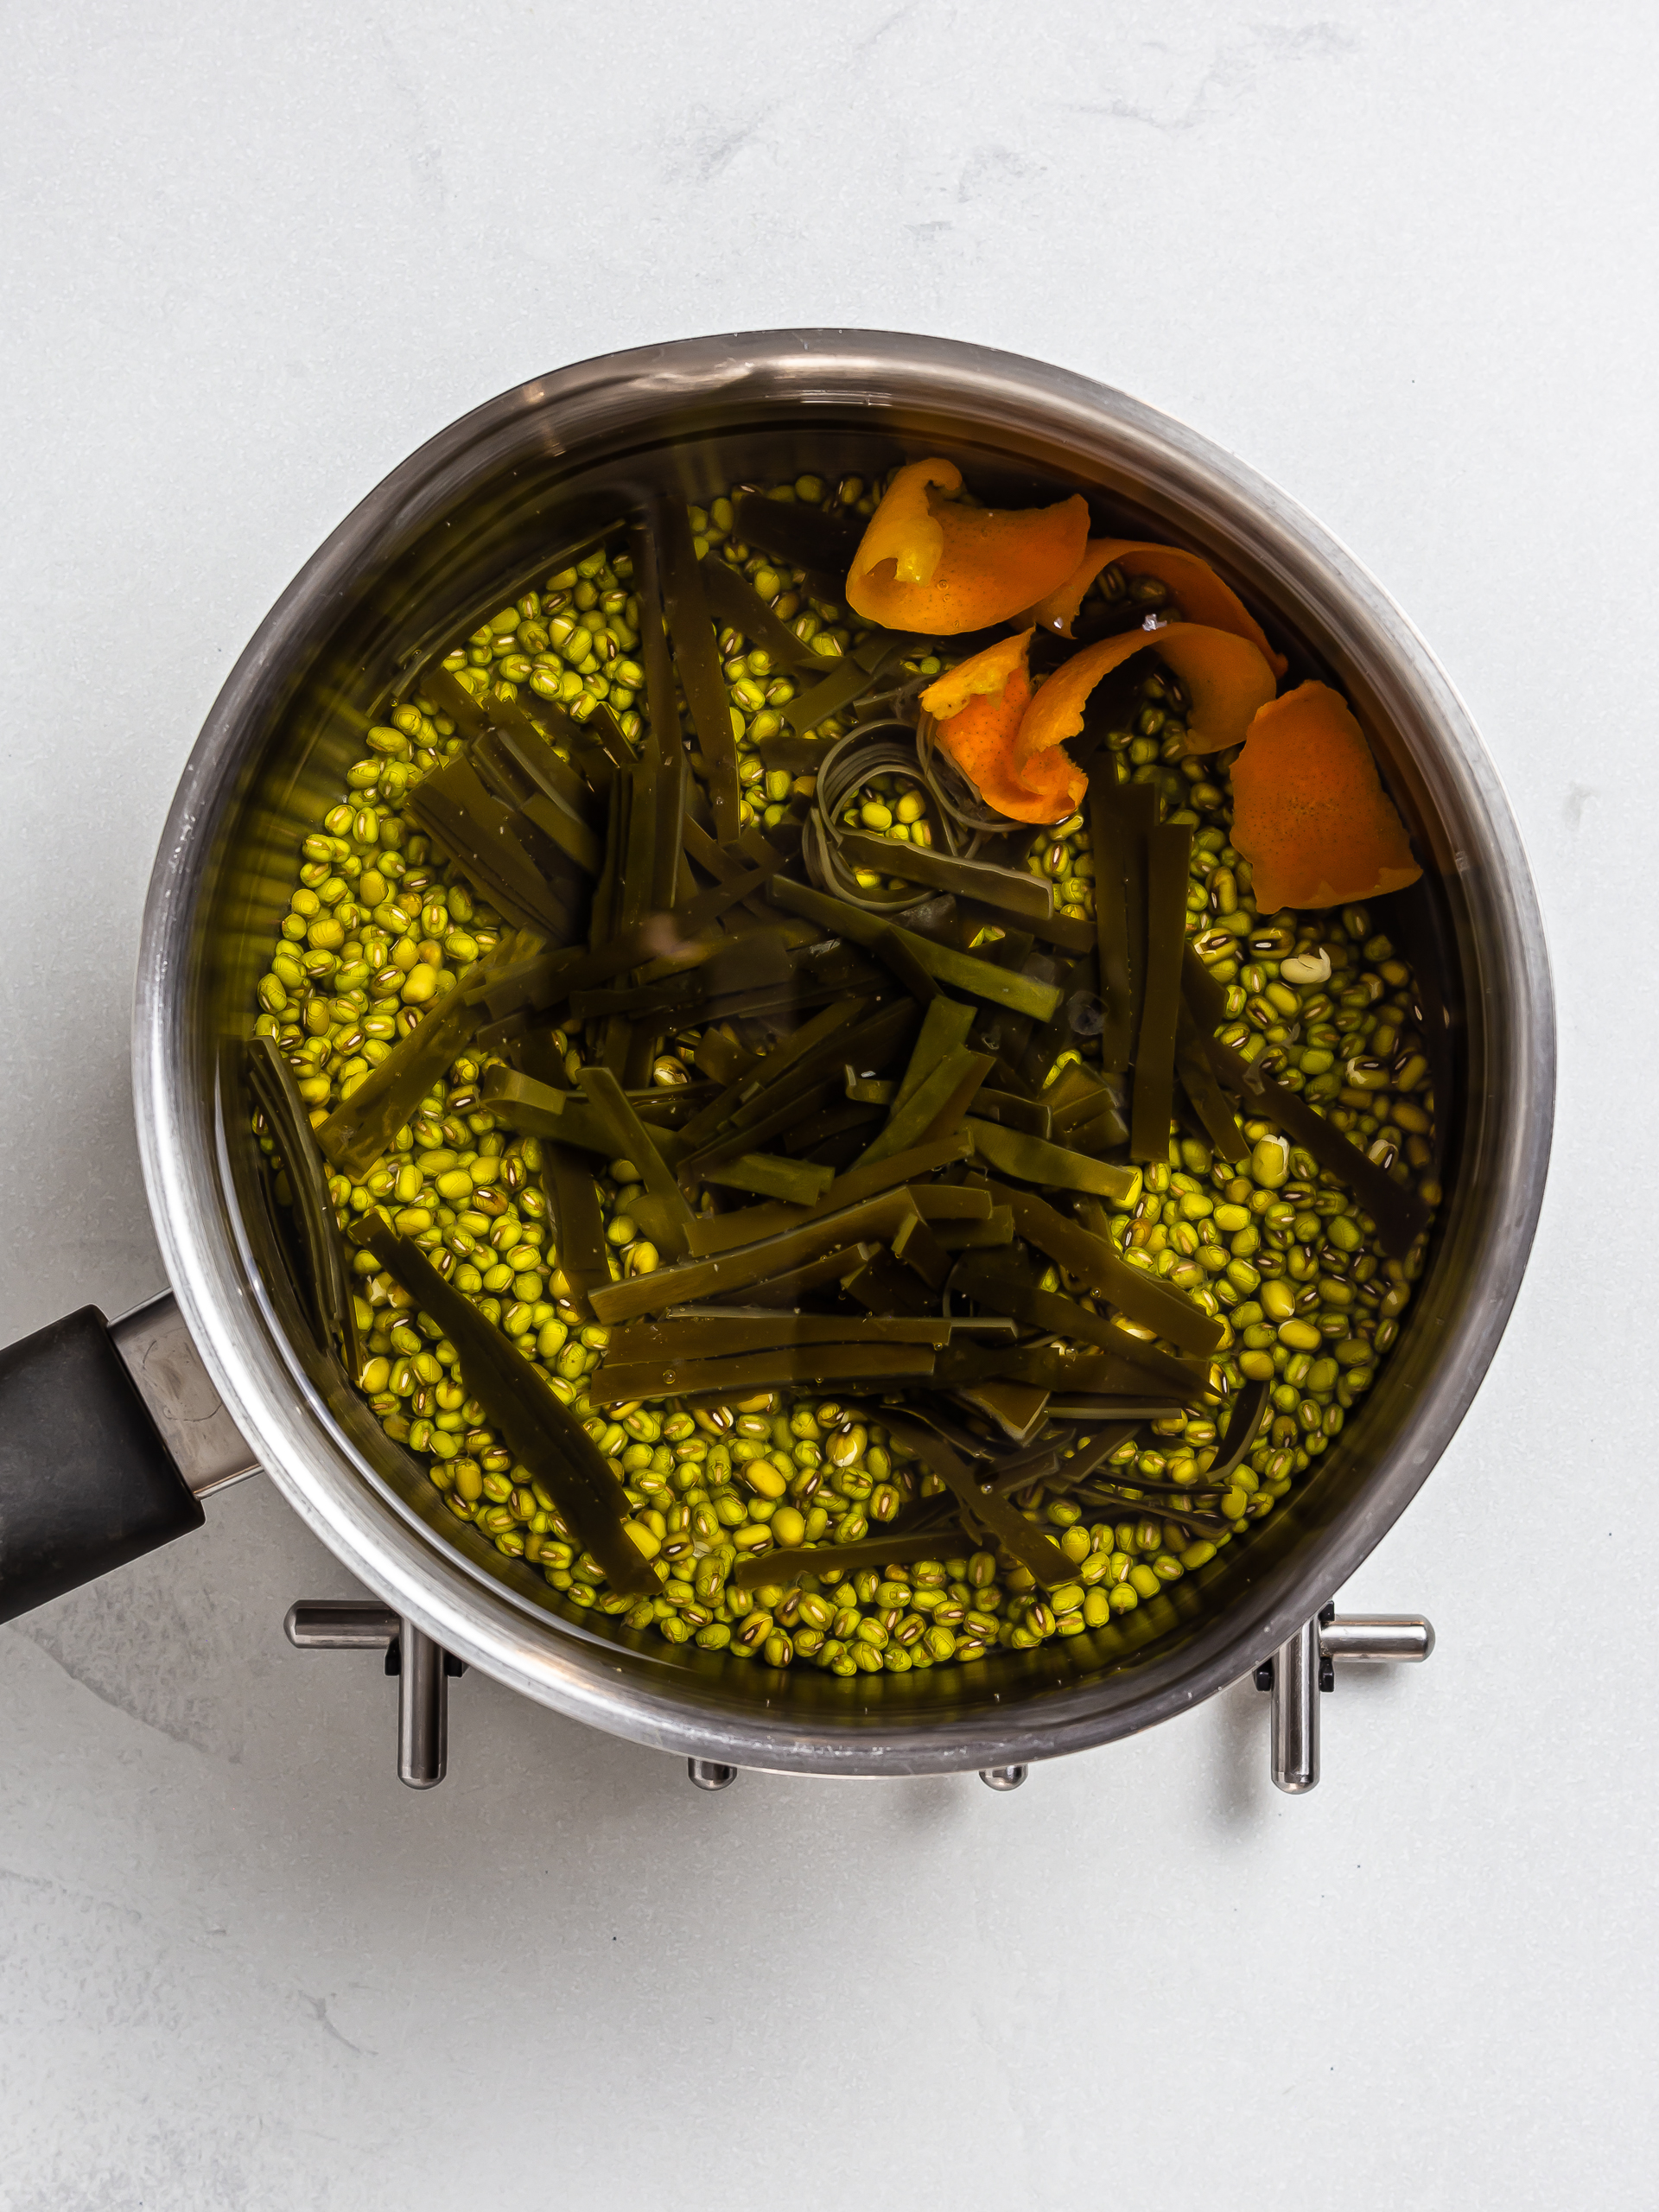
(87, 1482)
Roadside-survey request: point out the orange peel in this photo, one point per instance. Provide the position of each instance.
(1225, 677)
(928, 564)
(1203, 596)
(978, 707)
(1310, 813)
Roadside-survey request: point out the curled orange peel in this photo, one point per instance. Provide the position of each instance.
(928, 564)
(978, 707)
(1203, 597)
(1226, 678)
(1310, 813)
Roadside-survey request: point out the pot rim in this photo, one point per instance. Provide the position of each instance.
(183, 1166)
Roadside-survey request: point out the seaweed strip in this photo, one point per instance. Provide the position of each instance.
(981, 979)
(1002, 892)
(894, 954)
(876, 1219)
(452, 805)
(1096, 1260)
(539, 1430)
(915, 1244)
(944, 1026)
(1203, 993)
(770, 1176)
(1012, 1112)
(732, 596)
(818, 1274)
(1024, 1543)
(1400, 1214)
(755, 1569)
(691, 630)
(540, 1110)
(584, 1254)
(855, 673)
(362, 1126)
(832, 1121)
(271, 1081)
(1119, 817)
(711, 1233)
(992, 1282)
(803, 536)
(608, 1099)
(726, 1333)
(662, 719)
(1168, 856)
(1018, 1409)
(935, 1108)
(885, 1286)
(1204, 1094)
(574, 838)
(793, 1055)
(1064, 931)
(615, 1384)
(996, 1229)
(1244, 1425)
(1033, 1160)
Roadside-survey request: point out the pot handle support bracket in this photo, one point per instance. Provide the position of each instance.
(423, 1668)
(1305, 1665)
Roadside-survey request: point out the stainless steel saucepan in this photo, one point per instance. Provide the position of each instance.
(222, 1380)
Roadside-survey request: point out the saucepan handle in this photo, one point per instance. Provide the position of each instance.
(111, 1433)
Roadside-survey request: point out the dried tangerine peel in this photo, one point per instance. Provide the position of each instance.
(978, 707)
(1225, 677)
(1204, 598)
(1310, 813)
(930, 565)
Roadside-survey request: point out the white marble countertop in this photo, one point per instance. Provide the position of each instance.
(1398, 256)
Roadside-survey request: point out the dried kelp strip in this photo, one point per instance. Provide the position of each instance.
(735, 600)
(691, 630)
(961, 971)
(362, 1127)
(540, 1429)
(1399, 1213)
(615, 1384)
(856, 674)
(1011, 1152)
(876, 1219)
(937, 1107)
(996, 1229)
(453, 806)
(820, 1274)
(723, 1333)
(770, 1176)
(1016, 1408)
(1120, 814)
(1204, 1094)
(711, 1233)
(1003, 893)
(755, 1570)
(796, 1056)
(1096, 1261)
(578, 1221)
(803, 535)
(1168, 855)
(968, 1486)
(334, 1310)
(608, 1099)
(992, 1282)
(1250, 1409)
